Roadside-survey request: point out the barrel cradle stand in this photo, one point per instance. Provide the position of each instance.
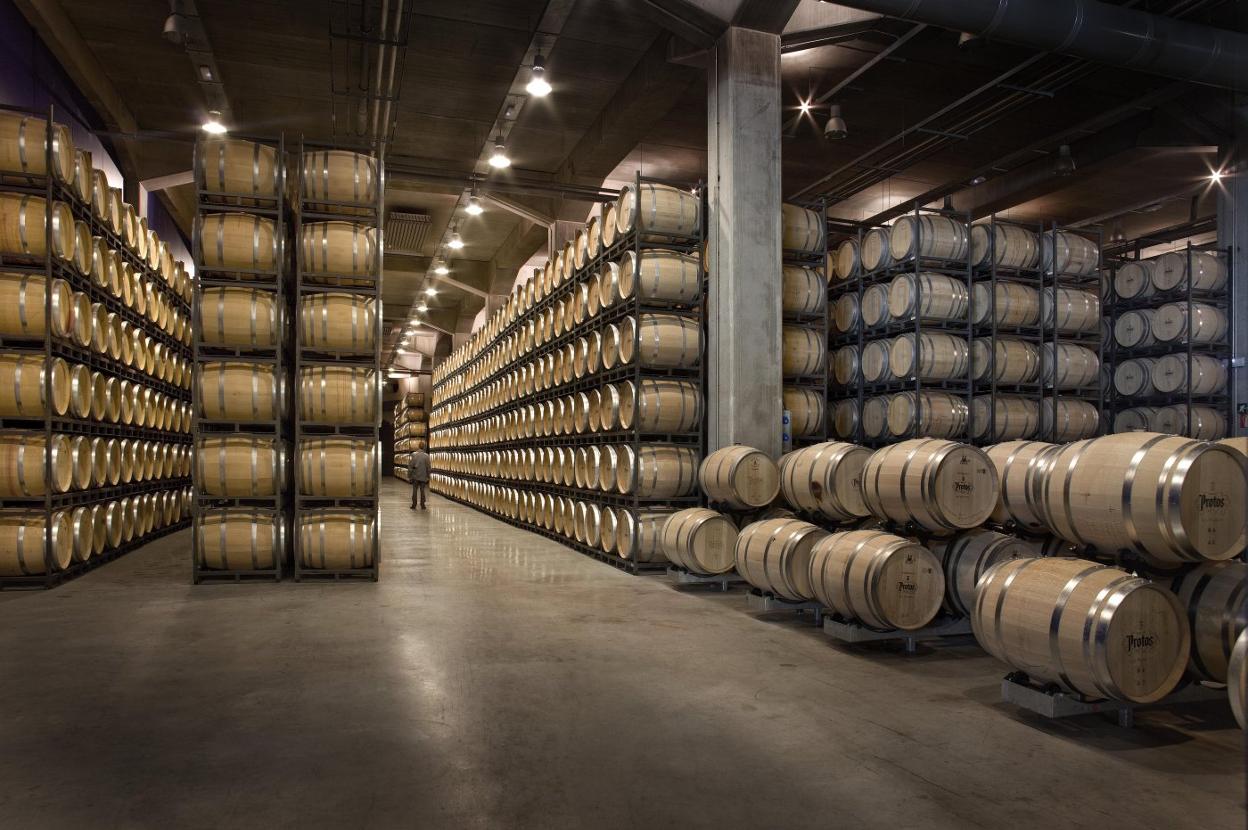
(765, 602)
(635, 306)
(1183, 295)
(276, 209)
(853, 632)
(817, 262)
(50, 267)
(1054, 703)
(310, 284)
(684, 577)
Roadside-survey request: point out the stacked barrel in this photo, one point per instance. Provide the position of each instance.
(337, 389)
(804, 306)
(1036, 322)
(242, 360)
(577, 409)
(1171, 344)
(95, 369)
(900, 331)
(411, 430)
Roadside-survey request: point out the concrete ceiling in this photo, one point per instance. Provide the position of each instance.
(629, 96)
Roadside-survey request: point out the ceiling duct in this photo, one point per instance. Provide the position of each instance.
(1088, 29)
(185, 28)
(406, 233)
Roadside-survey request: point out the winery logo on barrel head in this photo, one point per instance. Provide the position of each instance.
(963, 487)
(1216, 502)
(1140, 641)
(906, 587)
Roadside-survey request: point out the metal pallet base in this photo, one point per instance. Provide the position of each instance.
(222, 577)
(852, 631)
(764, 603)
(1017, 688)
(27, 583)
(686, 577)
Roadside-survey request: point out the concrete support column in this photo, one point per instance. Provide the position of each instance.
(743, 155)
(1233, 234)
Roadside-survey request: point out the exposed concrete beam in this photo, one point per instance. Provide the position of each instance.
(685, 20)
(765, 15)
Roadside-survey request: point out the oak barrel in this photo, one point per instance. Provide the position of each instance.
(968, 556)
(656, 471)
(1237, 680)
(806, 408)
(23, 306)
(340, 176)
(699, 540)
(774, 556)
(25, 538)
(938, 297)
(1009, 246)
(237, 242)
(739, 477)
(825, 479)
(238, 391)
(802, 290)
(337, 539)
(657, 276)
(939, 485)
(884, 581)
(23, 460)
(1208, 324)
(926, 414)
(27, 380)
(1021, 468)
(238, 167)
(801, 229)
(1169, 374)
(637, 534)
(239, 466)
(874, 251)
(1003, 417)
(334, 320)
(1170, 271)
(338, 394)
(338, 467)
(658, 211)
(339, 249)
(804, 351)
(1215, 595)
(24, 147)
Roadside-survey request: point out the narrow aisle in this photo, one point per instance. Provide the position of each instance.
(494, 678)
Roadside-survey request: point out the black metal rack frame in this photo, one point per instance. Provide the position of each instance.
(52, 190)
(274, 280)
(319, 210)
(634, 307)
(818, 383)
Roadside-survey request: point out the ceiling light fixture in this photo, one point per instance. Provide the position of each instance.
(422, 307)
(431, 291)
(978, 180)
(836, 128)
(538, 86)
(474, 207)
(499, 158)
(1215, 176)
(456, 242)
(804, 106)
(213, 125)
(1118, 236)
(440, 268)
(1065, 165)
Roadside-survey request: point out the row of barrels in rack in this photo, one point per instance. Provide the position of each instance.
(253, 318)
(334, 252)
(411, 429)
(243, 538)
(931, 236)
(79, 463)
(34, 543)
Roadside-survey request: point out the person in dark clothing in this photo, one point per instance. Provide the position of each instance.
(418, 472)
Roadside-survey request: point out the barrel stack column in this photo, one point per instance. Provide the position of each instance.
(744, 252)
(1233, 237)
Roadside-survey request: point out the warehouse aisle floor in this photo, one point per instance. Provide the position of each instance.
(495, 679)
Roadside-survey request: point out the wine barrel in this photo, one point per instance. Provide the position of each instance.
(845, 262)
(1091, 629)
(26, 381)
(658, 212)
(1011, 304)
(938, 485)
(927, 236)
(339, 249)
(1003, 418)
(1008, 359)
(937, 356)
(1170, 499)
(1171, 325)
(24, 459)
(334, 320)
(82, 463)
(340, 177)
(874, 251)
(804, 351)
(1073, 312)
(801, 230)
(806, 410)
(1237, 680)
(99, 528)
(876, 365)
(699, 540)
(845, 315)
(1206, 423)
(938, 297)
(1170, 375)
(338, 394)
(23, 222)
(874, 416)
(82, 532)
(334, 539)
(1068, 419)
(1068, 365)
(926, 414)
(968, 556)
(802, 290)
(825, 479)
(239, 168)
(1215, 595)
(658, 276)
(24, 148)
(844, 419)
(238, 391)
(662, 341)
(32, 544)
(1135, 419)
(846, 365)
(238, 465)
(1069, 254)
(874, 305)
(1134, 377)
(637, 534)
(774, 556)
(739, 477)
(656, 471)
(1021, 468)
(884, 581)
(23, 306)
(237, 242)
(662, 406)
(338, 467)
(1009, 246)
(80, 319)
(1170, 271)
(1133, 280)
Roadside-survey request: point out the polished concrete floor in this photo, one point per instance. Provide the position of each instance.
(495, 679)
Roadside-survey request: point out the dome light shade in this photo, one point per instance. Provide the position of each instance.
(538, 86)
(1065, 165)
(499, 159)
(474, 206)
(456, 242)
(836, 128)
(213, 125)
(440, 268)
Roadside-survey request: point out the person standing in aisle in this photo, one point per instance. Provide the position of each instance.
(418, 472)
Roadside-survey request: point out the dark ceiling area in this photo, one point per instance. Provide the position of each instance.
(927, 118)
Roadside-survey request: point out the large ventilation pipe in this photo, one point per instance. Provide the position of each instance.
(1090, 30)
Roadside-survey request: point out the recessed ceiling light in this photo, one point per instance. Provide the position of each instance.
(213, 125)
